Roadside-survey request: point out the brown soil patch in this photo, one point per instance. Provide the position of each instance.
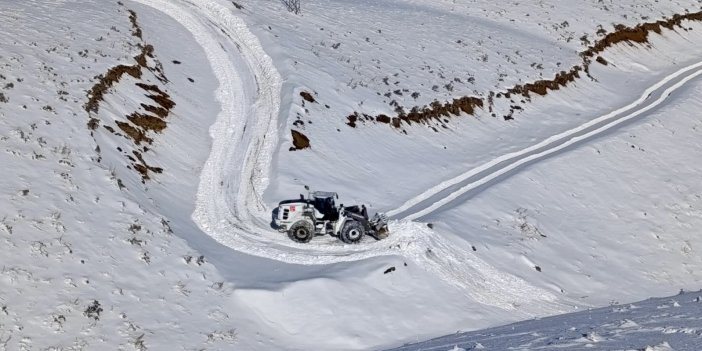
(352, 120)
(158, 111)
(356, 117)
(136, 30)
(541, 87)
(436, 111)
(300, 141)
(93, 123)
(144, 168)
(164, 100)
(146, 51)
(143, 123)
(148, 87)
(147, 122)
(113, 76)
(136, 134)
(160, 97)
(307, 96)
(105, 82)
(383, 119)
(157, 69)
(638, 34)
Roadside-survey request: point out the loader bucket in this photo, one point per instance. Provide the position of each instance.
(379, 222)
(382, 232)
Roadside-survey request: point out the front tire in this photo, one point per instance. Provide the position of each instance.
(301, 231)
(352, 233)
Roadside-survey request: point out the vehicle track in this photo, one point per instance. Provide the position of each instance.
(478, 179)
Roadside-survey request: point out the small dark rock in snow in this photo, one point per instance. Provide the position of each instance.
(307, 96)
(93, 310)
(391, 269)
(538, 269)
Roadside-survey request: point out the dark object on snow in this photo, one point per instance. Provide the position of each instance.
(93, 311)
(391, 269)
(300, 141)
(307, 96)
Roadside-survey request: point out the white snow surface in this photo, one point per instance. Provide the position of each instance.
(658, 324)
(590, 196)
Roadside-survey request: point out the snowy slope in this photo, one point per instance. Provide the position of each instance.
(88, 265)
(631, 221)
(147, 143)
(658, 324)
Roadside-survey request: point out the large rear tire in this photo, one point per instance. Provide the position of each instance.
(301, 231)
(352, 233)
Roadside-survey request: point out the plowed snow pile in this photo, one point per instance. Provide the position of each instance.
(147, 142)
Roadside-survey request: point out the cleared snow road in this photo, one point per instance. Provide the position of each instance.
(478, 179)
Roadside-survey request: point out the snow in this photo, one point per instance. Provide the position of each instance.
(607, 328)
(610, 221)
(488, 227)
(504, 164)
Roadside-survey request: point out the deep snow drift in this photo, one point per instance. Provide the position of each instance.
(146, 145)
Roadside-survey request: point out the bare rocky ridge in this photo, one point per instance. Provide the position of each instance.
(140, 126)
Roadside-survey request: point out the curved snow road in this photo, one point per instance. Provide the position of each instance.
(244, 138)
(476, 180)
(245, 132)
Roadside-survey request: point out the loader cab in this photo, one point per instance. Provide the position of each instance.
(325, 204)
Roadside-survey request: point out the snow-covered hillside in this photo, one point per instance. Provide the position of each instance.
(536, 159)
(658, 324)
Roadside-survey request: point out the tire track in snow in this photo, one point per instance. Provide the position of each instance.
(476, 180)
(244, 137)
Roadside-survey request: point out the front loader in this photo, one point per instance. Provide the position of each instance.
(305, 218)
